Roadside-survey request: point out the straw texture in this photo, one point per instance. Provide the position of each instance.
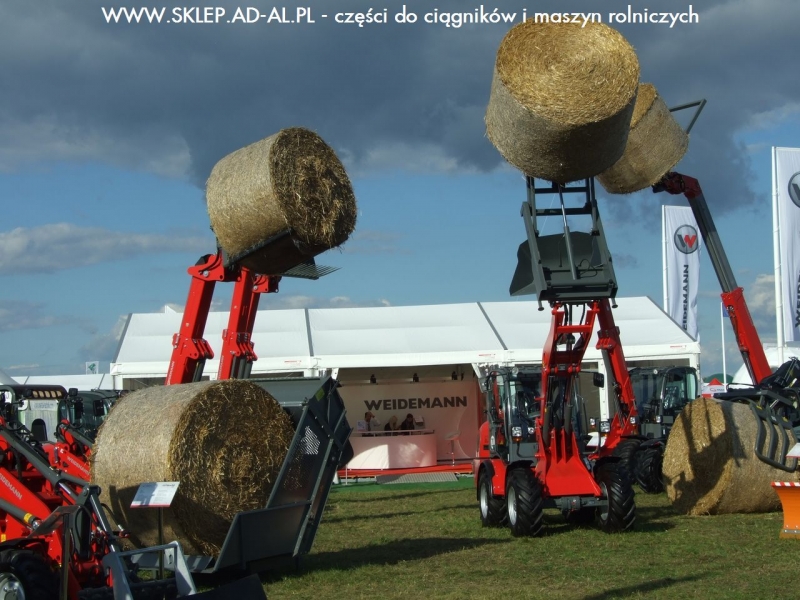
(290, 181)
(562, 98)
(224, 441)
(710, 466)
(656, 143)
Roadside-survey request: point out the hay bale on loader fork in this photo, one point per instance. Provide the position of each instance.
(285, 521)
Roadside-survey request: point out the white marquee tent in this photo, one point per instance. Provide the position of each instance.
(313, 340)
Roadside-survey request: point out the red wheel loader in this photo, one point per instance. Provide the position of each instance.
(57, 541)
(533, 451)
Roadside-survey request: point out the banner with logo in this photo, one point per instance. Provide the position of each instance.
(681, 266)
(786, 215)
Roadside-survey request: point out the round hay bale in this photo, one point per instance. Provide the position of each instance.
(656, 143)
(224, 441)
(710, 466)
(562, 98)
(290, 181)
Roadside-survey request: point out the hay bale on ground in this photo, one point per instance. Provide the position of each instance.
(562, 98)
(656, 143)
(289, 181)
(225, 441)
(710, 466)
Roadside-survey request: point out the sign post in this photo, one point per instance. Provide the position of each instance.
(156, 494)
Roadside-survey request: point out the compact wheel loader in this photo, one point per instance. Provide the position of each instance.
(533, 451)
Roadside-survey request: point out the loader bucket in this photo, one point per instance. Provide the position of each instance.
(789, 494)
(551, 274)
(287, 525)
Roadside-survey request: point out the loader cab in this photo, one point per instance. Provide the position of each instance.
(661, 394)
(512, 406)
(86, 411)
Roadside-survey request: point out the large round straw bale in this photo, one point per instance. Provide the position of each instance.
(224, 441)
(290, 181)
(656, 143)
(562, 98)
(710, 466)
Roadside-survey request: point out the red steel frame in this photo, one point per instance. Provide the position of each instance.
(190, 349)
(560, 467)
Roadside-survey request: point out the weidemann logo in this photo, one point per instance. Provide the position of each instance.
(794, 189)
(686, 239)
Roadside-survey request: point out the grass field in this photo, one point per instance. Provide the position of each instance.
(426, 541)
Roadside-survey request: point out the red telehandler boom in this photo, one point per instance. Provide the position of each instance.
(775, 396)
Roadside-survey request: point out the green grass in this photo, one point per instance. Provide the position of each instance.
(426, 541)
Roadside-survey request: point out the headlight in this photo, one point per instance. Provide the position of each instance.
(633, 420)
(659, 419)
(592, 422)
(605, 427)
(516, 434)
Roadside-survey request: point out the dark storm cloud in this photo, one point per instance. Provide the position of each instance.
(179, 97)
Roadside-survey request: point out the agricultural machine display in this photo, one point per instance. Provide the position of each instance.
(661, 394)
(80, 415)
(533, 451)
(775, 396)
(287, 524)
(58, 542)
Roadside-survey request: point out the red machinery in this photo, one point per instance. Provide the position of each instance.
(775, 397)
(190, 350)
(533, 449)
(56, 540)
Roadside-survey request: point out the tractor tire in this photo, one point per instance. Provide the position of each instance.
(493, 509)
(648, 475)
(620, 514)
(628, 452)
(524, 503)
(25, 574)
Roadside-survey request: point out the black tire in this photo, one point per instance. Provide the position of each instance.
(628, 451)
(25, 574)
(524, 505)
(648, 474)
(620, 514)
(493, 509)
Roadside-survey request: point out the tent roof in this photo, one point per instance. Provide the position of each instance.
(299, 339)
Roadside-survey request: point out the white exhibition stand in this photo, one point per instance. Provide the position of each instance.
(393, 450)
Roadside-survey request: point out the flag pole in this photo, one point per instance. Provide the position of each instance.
(776, 245)
(664, 256)
(722, 333)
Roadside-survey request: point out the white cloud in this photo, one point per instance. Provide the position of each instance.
(59, 246)
(17, 315)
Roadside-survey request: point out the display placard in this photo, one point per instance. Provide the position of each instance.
(155, 494)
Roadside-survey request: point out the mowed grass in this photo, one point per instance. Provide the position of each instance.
(426, 541)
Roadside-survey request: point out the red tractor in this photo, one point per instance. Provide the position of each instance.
(533, 451)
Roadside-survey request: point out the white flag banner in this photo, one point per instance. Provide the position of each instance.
(681, 266)
(786, 165)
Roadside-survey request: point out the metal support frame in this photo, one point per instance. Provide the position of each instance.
(190, 349)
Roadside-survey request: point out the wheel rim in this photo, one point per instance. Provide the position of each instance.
(512, 505)
(484, 501)
(604, 511)
(11, 588)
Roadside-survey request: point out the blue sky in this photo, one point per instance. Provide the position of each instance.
(107, 134)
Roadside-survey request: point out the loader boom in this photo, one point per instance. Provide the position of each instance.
(752, 351)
